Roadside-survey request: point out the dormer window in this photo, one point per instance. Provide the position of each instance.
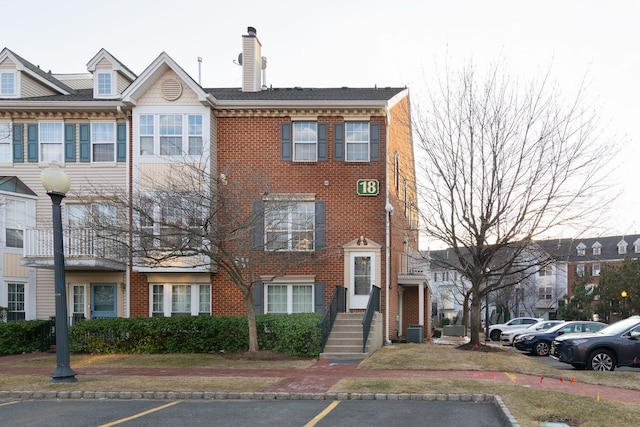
(7, 83)
(581, 249)
(597, 248)
(104, 84)
(622, 247)
(636, 246)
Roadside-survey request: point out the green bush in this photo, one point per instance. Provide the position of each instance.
(295, 334)
(25, 336)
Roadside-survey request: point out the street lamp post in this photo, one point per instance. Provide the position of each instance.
(623, 294)
(57, 184)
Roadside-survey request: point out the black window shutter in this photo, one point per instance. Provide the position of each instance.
(258, 225)
(69, 142)
(285, 141)
(121, 142)
(323, 142)
(321, 239)
(318, 298)
(18, 143)
(374, 134)
(85, 143)
(338, 142)
(32, 143)
(258, 298)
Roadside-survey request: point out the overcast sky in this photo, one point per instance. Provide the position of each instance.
(333, 43)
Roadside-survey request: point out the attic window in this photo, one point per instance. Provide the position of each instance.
(171, 89)
(581, 249)
(7, 83)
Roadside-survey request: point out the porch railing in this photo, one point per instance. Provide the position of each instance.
(372, 306)
(337, 304)
(78, 243)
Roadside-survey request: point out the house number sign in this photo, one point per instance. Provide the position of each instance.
(368, 187)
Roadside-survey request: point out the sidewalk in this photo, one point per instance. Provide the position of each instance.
(322, 375)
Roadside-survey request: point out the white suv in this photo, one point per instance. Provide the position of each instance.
(515, 323)
(509, 335)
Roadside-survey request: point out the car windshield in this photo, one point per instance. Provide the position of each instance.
(620, 326)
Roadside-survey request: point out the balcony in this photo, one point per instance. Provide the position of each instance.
(84, 249)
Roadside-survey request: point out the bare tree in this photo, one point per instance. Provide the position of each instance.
(234, 222)
(504, 164)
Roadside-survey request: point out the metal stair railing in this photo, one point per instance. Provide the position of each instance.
(337, 304)
(372, 306)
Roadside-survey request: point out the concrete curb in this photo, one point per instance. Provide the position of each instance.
(217, 395)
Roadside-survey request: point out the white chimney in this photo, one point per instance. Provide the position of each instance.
(251, 62)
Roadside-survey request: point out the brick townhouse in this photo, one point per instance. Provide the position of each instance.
(345, 155)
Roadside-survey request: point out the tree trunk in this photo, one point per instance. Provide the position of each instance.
(465, 310)
(475, 319)
(251, 319)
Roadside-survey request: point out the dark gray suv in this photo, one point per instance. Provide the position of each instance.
(616, 345)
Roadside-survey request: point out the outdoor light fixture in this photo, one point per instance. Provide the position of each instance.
(57, 184)
(624, 295)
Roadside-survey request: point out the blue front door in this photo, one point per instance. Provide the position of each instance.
(103, 300)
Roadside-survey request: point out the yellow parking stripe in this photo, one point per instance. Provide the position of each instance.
(322, 414)
(141, 414)
(9, 403)
(511, 376)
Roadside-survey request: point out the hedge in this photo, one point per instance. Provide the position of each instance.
(25, 336)
(294, 334)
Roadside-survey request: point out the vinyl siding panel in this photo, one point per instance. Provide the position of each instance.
(30, 87)
(11, 266)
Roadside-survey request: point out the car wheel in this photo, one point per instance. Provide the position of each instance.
(541, 348)
(495, 335)
(601, 360)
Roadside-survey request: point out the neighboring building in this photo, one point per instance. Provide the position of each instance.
(112, 126)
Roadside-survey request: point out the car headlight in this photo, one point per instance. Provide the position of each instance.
(577, 341)
(525, 337)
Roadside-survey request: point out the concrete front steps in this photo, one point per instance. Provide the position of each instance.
(345, 340)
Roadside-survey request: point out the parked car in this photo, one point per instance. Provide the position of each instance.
(614, 346)
(539, 343)
(515, 323)
(508, 336)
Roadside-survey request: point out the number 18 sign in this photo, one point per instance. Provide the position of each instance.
(368, 187)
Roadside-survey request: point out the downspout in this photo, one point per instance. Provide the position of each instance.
(389, 211)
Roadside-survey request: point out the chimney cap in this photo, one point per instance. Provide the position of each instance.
(252, 31)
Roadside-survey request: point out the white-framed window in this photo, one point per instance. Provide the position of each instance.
(51, 140)
(16, 301)
(636, 246)
(580, 270)
(195, 135)
(6, 140)
(105, 83)
(8, 83)
(289, 298)
(170, 134)
(180, 299)
(146, 134)
(357, 141)
(597, 248)
(546, 271)
(171, 226)
(103, 142)
(15, 217)
(78, 303)
(545, 293)
(581, 249)
(595, 270)
(305, 141)
(289, 226)
(84, 216)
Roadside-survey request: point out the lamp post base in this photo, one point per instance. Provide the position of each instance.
(63, 374)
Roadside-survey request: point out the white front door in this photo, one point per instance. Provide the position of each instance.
(362, 277)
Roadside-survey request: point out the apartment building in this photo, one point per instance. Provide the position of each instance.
(341, 157)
